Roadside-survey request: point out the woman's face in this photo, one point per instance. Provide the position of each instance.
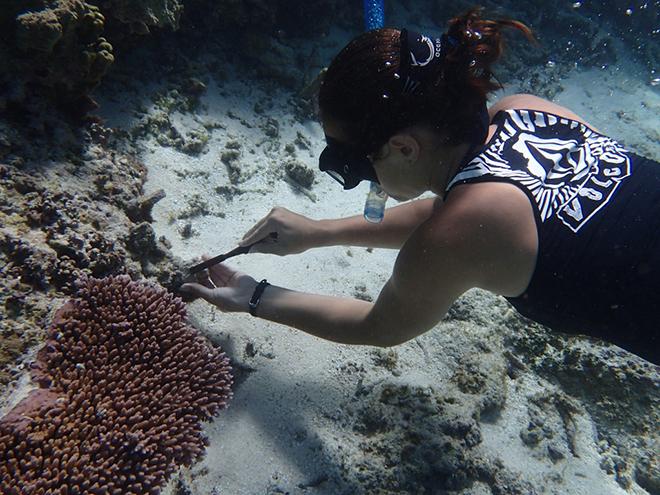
(395, 163)
(397, 172)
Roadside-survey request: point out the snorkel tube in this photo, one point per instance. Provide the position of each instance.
(374, 14)
(374, 206)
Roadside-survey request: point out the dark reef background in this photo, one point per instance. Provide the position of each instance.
(63, 49)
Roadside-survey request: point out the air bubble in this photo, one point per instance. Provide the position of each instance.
(388, 64)
(473, 63)
(577, 5)
(397, 76)
(386, 96)
(655, 82)
(628, 11)
(550, 64)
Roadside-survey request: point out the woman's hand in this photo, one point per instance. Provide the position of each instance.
(228, 289)
(295, 233)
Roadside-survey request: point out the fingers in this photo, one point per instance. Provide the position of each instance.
(214, 276)
(254, 234)
(267, 245)
(198, 290)
(202, 278)
(265, 226)
(220, 274)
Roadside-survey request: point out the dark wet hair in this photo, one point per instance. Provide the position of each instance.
(362, 93)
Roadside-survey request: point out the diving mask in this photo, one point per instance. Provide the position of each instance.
(347, 164)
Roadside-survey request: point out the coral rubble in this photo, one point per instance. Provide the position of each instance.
(66, 212)
(125, 385)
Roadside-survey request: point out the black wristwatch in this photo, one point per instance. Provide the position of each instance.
(256, 296)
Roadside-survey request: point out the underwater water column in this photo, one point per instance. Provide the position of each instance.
(374, 207)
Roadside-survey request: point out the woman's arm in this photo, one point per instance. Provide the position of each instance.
(431, 271)
(297, 233)
(397, 226)
(427, 278)
(467, 244)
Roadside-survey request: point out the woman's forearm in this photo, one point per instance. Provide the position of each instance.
(397, 225)
(337, 319)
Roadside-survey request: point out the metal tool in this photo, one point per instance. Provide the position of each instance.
(222, 257)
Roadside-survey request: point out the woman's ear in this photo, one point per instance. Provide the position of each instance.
(406, 145)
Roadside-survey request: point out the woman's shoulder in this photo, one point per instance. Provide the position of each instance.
(531, 102)
(500, 243)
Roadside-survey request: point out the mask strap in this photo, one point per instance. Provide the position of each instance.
(419, 54)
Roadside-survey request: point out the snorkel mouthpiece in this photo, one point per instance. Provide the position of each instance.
(374, 206)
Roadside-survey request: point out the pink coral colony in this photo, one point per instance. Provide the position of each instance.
(125, 385)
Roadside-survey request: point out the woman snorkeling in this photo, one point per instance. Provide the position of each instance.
(533, 203)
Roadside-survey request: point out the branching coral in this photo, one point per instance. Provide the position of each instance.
(125, 385)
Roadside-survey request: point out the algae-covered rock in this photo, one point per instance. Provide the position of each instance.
(299, 173)
(57, 52)
(38, 31)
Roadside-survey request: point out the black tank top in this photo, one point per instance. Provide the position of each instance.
(597, 209)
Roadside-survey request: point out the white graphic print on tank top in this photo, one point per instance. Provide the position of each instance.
(570, 170)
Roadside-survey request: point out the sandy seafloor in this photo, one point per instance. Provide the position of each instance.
(310, 416)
